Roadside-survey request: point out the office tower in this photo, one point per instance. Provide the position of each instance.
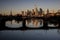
(47, 11)
(22, 13)
(41, 11)
(33, 12)
(36, 10)
(25, 13)
(11, 13)
(28, 12)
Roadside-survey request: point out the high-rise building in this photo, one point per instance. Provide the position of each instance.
(22, 13)
(33, 12)
(40, 11)
(36, 10)
(11, 13)
(28, 12)
(47, 11)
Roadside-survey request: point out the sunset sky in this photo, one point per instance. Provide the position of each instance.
(6, 5)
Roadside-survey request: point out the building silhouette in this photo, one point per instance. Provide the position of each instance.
(36, 10)
(28, 13)
(33, 12)
(47, 11)
(11, 13)
(22, 13)
(41, 11)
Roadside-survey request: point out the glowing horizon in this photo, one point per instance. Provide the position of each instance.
(19, 5)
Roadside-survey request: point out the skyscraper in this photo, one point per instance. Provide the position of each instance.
(41, 11)
(11, 13)
(36, 10)
(33, 12)
(47, 11)
(22, 13)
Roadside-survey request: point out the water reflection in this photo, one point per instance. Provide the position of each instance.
(51, 24)
(34, 23)
(13, 24)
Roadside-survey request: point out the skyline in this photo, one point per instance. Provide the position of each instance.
(19, 5)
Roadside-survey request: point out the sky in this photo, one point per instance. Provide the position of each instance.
(17, 5)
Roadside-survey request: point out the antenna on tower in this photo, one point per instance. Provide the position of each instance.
(35, 4)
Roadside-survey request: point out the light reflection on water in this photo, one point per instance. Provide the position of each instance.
(13, 24)
(34, 23)
(53, 34)
(52, 25)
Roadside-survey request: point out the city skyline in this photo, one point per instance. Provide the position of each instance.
(19, 5)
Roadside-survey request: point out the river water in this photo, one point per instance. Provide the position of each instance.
(51, 34)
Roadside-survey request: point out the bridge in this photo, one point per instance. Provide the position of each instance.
(24, 27)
